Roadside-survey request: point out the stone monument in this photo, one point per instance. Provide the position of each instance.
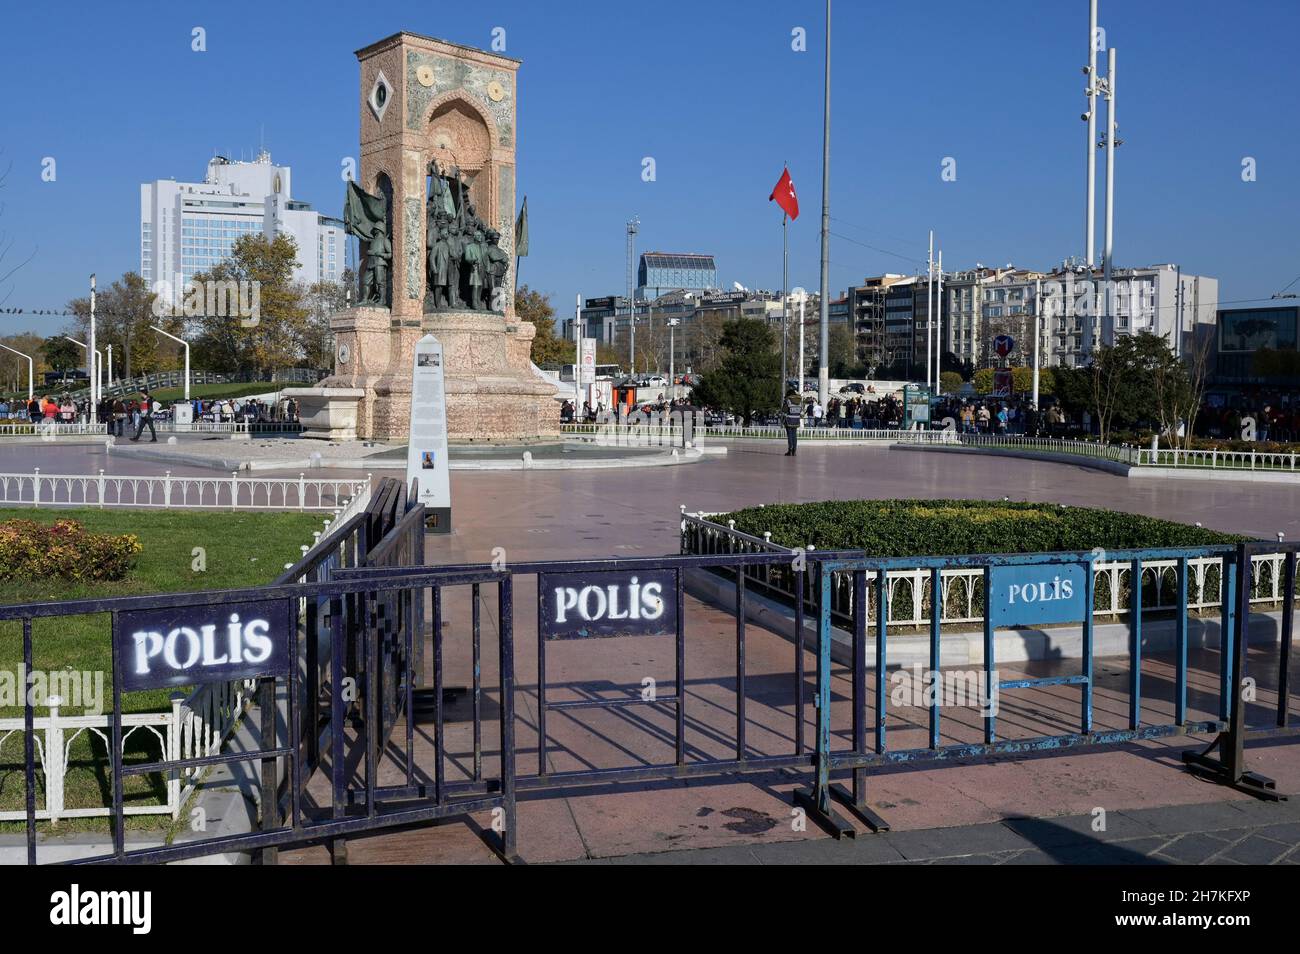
(434, 208)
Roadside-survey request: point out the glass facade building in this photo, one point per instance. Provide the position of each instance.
(661, 272)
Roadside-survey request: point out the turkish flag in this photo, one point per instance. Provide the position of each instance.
(784, 195)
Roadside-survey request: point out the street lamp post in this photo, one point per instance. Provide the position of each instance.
(186, 345)
(91, 353)
(672, 355)
(31, 393)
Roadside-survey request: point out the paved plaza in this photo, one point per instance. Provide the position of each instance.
(976, 810)
(633, 513)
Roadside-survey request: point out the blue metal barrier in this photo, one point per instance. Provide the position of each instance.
(1229, 725)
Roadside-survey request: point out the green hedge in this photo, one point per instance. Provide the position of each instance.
(950, 527)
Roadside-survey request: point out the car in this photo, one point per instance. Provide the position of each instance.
(656, 381)
(854, 387)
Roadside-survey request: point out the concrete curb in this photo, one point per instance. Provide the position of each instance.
(1115, 467)
(668, 458)
(1093, 463)
(967, 648)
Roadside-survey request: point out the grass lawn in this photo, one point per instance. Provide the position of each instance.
(240, 549)
(209, 392)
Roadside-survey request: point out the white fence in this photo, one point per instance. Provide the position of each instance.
(1219, 460)
(182, 493)
(196, 726)
(53, 429)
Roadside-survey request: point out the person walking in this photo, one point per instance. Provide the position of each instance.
(119, 417)
(146, 417)
(791, 417)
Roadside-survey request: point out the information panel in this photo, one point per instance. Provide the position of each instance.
(426, 455)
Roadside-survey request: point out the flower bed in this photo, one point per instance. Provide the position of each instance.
(64, 550)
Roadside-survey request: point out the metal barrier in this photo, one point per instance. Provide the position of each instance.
(1230, 766)
(365, 613)
(687, 760)
(299, 609)
(862, 754)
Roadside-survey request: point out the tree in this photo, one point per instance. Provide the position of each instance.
(950, 382)
(225, 340)
(549, 350)
(124, 313)
(950, 362)
(61, 354)
(704, 345)
(322, 300)
(746, 378)
(13, 369)
(1072, 388)
(842, 352)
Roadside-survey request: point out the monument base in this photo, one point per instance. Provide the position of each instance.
(493, 393)
(327, 413)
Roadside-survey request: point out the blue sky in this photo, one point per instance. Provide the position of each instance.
(714, 92)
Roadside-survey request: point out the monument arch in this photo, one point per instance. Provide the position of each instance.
(448, 112)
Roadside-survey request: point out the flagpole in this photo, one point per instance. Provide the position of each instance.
(785, 282)
(929, 318)
(823, 366)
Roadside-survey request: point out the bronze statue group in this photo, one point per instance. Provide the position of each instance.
(465, 265)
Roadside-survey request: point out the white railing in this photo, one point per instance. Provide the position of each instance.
(1219, 459)
(907, 596)
(56, 429)
(196, 726)
(228, 427)
(627, 435)
(320, 538)
(167, 492)
(52, 429)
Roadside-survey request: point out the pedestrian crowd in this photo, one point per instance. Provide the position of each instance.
(116, 412)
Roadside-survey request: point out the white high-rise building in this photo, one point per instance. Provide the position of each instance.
(188, 227)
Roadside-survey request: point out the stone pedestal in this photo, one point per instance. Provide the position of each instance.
(492, 391)
(327, 413)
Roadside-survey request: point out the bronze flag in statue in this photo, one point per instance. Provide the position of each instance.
(366, 217)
